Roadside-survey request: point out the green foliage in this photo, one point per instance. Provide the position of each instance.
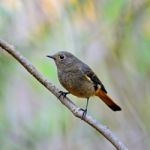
(112, 9)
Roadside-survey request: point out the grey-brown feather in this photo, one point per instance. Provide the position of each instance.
(88, 71)
(73, 73)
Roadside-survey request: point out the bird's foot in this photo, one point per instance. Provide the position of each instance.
(63, 94)
(84, 113)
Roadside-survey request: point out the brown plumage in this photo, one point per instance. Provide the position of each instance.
(107, 100)
(79, 79)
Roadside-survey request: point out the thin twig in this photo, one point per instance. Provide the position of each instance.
(104, 130)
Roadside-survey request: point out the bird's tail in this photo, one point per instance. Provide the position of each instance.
(107, 100)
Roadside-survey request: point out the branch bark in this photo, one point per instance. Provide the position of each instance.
(104, 130)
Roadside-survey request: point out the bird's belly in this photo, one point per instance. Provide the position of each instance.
(82, 93)
(77, 85)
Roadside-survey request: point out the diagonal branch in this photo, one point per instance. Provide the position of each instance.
(104, 130)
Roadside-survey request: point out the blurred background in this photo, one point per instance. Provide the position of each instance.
(112, 37)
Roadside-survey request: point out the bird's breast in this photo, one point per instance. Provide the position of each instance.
(76, 83)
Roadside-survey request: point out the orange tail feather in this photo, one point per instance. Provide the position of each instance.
(107, 100)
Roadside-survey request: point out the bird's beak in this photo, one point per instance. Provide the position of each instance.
(52, 57)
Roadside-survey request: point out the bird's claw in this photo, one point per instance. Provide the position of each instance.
(84, 112)
(63, 94)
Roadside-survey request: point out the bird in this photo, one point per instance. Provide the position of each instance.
(80, 80)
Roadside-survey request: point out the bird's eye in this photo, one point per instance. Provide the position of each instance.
(61, 57)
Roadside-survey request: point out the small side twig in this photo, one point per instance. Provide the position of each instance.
(104, 130)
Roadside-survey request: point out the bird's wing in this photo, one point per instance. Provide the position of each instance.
(91, 76)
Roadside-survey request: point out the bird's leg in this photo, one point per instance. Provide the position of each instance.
(85, 110)
(63, 94)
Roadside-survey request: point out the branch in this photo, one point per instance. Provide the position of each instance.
(104, 130)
